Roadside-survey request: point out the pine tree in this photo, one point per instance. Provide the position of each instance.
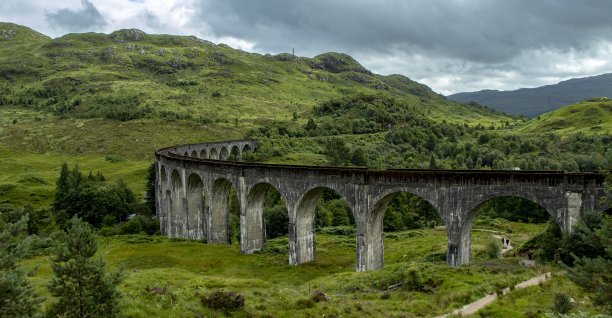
(62, 187)
(150, 194)
(81, 284)
(17, 296)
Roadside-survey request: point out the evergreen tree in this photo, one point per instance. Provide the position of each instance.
(150, 188)
(311, 125)
(81, 285)
(17, 297)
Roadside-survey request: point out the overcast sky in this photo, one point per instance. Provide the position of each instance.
(450, 45)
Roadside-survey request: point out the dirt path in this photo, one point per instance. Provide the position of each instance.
(488, 299)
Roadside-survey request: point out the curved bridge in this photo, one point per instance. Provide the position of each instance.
(193, 184)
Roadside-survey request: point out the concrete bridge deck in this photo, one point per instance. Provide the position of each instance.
(193, 184)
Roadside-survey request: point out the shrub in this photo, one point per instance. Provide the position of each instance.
(492, 249)
(562, 303)
(224, 301)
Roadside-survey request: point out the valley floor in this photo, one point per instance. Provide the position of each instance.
(167, 277)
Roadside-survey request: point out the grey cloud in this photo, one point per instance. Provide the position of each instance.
(483, 31)
(77, 20)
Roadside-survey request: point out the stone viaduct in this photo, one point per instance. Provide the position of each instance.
(194, 181)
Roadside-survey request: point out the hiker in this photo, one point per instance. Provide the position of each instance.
(507, 242)
(529, 255)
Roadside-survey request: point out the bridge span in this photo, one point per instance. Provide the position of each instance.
(193, 184)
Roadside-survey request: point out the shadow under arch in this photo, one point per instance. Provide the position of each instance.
(466, 230)
(219, 215)
(194, 153)
(203, 154)
(302, 228)
(252, 222)
(223, 153)
(234, 153)
(195, 224)
(176, 214)
(214, 154)
(374, 255)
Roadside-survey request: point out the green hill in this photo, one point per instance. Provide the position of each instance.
(129, 75)
(592, 116)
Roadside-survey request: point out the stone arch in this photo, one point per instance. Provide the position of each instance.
(302, 243)
(219, 218)
(373, 256)
(466, 230)
(195, 207)
(223, 153)
(253, 228)
(194, 153)
(214, 154)
(203, 154)
(186, 154)
(246, 147)
(176, 214)
(234, 153)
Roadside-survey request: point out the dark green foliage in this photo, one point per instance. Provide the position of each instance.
(223, 301)
(276, 216)
(592, 265)
(150, 189)
(514, 209)
(91, 198)
(277, 219)
(337, 151)
(234, 209)
(17, 296)
(81, 284)
(562, 303)
(407, 211)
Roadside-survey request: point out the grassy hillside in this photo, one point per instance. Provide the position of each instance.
(129, 75)
(532, 102)
(593, 116)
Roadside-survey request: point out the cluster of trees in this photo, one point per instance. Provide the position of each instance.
(406, 138)
(586, 254)
(81, 287)
(92, 198)
(103, 204)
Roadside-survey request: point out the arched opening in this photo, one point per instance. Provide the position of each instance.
(203, 154)
(265, 217)
(396, 212)
(223, 201)
(499, 225)
(214, 154)
(195, 208)
(246, 153)
(234, 154)
(186, 154)
(176, 215)
(318, 207)
(194, 153)
(162, 174)
(223, 154)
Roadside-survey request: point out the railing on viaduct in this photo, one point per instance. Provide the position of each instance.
(194, 181)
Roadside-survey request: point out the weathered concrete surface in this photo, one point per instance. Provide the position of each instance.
(193, 187)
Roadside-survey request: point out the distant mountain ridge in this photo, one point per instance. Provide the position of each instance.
(532, 102)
